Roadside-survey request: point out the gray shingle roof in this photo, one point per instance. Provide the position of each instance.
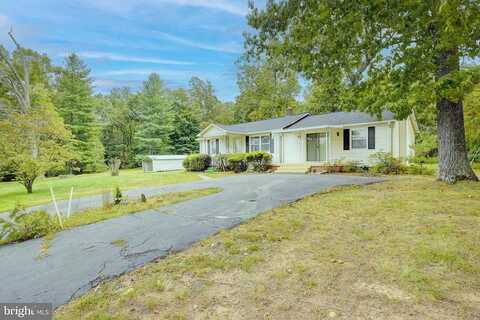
(262, 125)
(305, 120)
(339, 118)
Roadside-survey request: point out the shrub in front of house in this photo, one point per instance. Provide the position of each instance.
(237, 162)
(259, 160)
(220, 162)
(197, 162)
(385, 163)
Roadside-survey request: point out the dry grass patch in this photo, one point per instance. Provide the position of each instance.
(404, 249)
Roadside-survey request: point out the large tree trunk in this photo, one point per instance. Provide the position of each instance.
(452, 149)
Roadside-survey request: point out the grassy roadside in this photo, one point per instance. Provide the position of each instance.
(99, 214)
(12, 193)
(404, 249)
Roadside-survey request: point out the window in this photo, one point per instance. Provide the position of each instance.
(265, 143)
(359, 138)
(254, 143)
(260, 143)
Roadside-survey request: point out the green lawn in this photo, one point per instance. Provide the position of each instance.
(407, 248)
(12, 193)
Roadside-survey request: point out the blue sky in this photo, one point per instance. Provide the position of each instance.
(122, 41)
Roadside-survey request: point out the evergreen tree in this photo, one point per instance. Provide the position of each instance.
(185, 126)
(75, 104)
(155, 117)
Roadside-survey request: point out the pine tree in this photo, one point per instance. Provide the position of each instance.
(155, 118)
(75, 104)
(186, 126)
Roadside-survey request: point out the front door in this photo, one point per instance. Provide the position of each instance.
(317, 147)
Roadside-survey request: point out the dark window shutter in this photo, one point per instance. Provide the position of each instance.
(346, 139)
(208, 146)
(247, 144)
(217, 146)
(371, 137)
(271, 144)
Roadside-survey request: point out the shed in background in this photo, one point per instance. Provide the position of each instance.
(162, 163)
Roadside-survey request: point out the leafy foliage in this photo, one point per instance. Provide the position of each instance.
(259, 160)
(197, 162)
(266, 91)
(385, 163)
(237, 162)
(34, 141)
(21, 225)
(185, 126)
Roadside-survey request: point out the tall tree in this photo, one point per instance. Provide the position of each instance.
(75, 104)
(34, 138)
(395, 54)
(155, 116)
(185, 125)
(120, 119)
(319, 98)
(204, 100)
(266, 90)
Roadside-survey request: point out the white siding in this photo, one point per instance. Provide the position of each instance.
(213, 131)
(382, 144)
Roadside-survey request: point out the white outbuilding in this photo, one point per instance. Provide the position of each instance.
(162, 163)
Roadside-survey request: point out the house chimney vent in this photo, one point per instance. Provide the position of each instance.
(289, 112)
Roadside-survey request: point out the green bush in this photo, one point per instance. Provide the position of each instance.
(197, 162)
(420, 170)
(220, 162)
(237, 162)
(352, 166)
(259, 160)
(22, 226)
(385, 163)
(424, 160)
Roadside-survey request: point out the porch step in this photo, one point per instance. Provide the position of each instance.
(293, 168)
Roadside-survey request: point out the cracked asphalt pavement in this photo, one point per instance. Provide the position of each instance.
(80, 258)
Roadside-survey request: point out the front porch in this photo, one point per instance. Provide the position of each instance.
(294, 149)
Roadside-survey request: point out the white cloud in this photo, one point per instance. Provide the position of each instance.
(167, 74)
(232, 47)
(227, 6)
(144, 72)
(126, 6)
(128, 58)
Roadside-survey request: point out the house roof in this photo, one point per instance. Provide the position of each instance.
(338, 119)
(263, 125)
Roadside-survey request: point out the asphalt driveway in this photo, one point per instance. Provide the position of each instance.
(82, 257)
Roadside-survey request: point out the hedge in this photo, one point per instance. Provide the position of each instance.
(197, 162)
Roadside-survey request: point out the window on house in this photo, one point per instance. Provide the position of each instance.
(359, 138)
(265, 143)
(254, 143)
(260, 143)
